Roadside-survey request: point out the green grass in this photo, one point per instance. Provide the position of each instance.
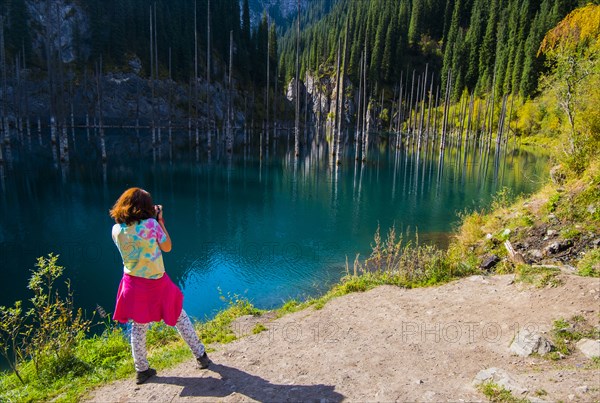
(498, 394)
(589, 265)
(258, 328)
(538, 276)
(104, 358)
(566, 333)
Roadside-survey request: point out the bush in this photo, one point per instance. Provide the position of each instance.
(48, 332)
(589, 265)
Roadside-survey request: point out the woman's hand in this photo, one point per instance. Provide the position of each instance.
(166, 245)
(158, 212)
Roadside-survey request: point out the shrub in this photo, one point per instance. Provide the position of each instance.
(48, 332)
(589, 265)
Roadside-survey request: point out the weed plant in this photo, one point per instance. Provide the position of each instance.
(566, 333)
(498, 394)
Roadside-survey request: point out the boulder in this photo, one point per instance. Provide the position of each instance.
(590, 348)
(535, 254)
(527, 343)
(557, 174)
(489, 262)
(558, 246)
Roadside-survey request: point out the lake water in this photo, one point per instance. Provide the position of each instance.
(266, 229)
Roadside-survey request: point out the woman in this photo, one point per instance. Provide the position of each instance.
(146, 293)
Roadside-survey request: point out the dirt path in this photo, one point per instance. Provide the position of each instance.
(391, 344)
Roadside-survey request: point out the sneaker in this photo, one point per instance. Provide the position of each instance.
(143, 376)
(203, 361)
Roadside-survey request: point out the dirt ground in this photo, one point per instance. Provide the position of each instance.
(391, 344)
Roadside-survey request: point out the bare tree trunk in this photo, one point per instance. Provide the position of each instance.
(170, 98)
(3, 118)
(435, 114)
(275, 101)
(365, 128)
(446, 108)
(357, 136)
(429, 102)
(335, 142)
(470, 118)
(400, 113)
(268, 80)
(341, 97)
(99, 92)
(230, 95)
(152, 72)
(208, 64)
(422, 117)
(501, 120)
(297, 123)
(196, 108)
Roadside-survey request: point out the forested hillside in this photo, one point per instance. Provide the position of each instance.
(486, 44)
(483, 46)
(117, 30)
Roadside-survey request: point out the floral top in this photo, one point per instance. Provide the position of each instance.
(138, 244)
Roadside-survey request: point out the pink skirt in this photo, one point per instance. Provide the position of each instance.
(146, 300)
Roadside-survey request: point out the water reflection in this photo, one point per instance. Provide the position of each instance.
(257, 222)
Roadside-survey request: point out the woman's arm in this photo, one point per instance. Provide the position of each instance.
(166, 245)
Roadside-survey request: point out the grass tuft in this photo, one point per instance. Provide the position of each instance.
(498, 394)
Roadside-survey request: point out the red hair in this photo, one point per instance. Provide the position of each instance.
(133, 205)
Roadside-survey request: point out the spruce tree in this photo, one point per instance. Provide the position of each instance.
(389, 54)
(487, 53)
(416, 22)
(474, 40)
(449, 42)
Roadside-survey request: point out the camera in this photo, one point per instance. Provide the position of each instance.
(157, 210)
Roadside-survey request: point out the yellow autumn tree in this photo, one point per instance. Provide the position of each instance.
(572, 49)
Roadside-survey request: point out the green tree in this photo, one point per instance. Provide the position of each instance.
(474, 40)
(389, 54)
(246, 22)
(378, 48)
(487, 54)
(416, 22)
(450, 42)
(573, 49)
(17, 37)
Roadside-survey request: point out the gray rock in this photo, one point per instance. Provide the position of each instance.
(551, 232)
(557, 174)
(536, 254)
(582, 389)
(590, 348)
(500, 378)
(558, 246)
(489, 262)
(527, 343)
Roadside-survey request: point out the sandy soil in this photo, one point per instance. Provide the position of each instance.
(390, 344)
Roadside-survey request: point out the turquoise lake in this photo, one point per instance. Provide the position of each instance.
(265, 229)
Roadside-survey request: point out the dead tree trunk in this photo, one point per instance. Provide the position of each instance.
(297, 122)
(208, 66)
(229, 98)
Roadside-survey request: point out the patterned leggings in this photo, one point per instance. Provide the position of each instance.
(138, 340)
